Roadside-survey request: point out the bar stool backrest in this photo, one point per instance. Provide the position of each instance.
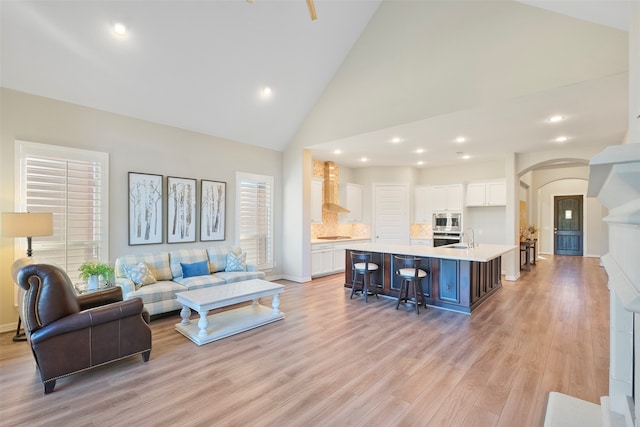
(358, 258)
(408, 267)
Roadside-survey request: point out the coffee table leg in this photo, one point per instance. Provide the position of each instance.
(202, 324)
(185, 313)
(256, 302)
(276, 303)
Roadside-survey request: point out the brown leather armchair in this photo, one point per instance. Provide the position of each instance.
(69, 334)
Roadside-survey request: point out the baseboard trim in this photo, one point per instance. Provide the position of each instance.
(9, 327)
(296, 279)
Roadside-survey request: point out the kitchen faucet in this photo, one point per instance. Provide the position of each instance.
(471, 239)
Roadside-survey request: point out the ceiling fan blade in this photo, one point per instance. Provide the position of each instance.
(312, 10)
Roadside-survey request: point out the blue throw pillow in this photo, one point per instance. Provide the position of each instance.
(196, 269)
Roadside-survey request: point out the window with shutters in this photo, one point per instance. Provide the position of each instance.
(73, 185)
(254, 218)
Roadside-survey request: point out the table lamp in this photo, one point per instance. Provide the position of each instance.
(24, 224)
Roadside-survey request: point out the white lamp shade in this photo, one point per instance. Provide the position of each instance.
(24, 224)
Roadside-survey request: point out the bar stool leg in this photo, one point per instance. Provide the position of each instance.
(402, 285)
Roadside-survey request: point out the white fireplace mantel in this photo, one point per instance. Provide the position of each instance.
(614, 178)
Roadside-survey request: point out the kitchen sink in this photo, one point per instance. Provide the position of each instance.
(334, 237)
(458, 246)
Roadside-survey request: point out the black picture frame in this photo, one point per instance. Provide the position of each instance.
(181, 210)
(145, 208)
(213, 200)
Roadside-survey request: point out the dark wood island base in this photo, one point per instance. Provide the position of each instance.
(453, 284)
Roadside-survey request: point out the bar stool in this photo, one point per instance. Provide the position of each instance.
(408, 268)
(361, 266)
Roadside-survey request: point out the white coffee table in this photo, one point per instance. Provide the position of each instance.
(230, 322)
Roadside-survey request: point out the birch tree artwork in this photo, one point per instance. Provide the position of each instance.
(212, 210)
(145, 208)
(181, 210)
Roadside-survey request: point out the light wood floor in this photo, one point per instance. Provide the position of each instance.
(340, 362)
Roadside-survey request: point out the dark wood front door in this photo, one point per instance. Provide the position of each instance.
(568, 225)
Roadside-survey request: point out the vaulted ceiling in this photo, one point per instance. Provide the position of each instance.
(362, 73)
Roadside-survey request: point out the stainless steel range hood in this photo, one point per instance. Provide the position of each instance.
(331, 200)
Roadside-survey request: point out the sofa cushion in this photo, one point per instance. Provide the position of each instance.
(139, 274)
(198, 282)
(200, 268)
(239, 276)
(236, 262)
(158, 264)
(187, 256)
(159, 291)
(217, 258)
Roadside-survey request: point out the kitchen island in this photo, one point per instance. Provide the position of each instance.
(461, 278)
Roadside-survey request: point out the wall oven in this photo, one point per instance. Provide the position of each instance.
(442, 239)
(447, 222)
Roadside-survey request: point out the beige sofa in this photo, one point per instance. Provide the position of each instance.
(179, 271)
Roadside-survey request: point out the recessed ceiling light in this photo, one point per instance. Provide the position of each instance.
(396, 140)
(420, 163)
(461, 139)
(337, 151)
(266, 92)
(119, 28)
(364, 159)
(466, 157)
(555, 119)
(561, 139)
(420, 150)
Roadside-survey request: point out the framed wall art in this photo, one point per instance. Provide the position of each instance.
(181, 210)
(145, 208)
(213, 195)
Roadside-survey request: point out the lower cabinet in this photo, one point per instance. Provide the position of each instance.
(454, 284)
(449, 283)
(329, 258)
(321, 259)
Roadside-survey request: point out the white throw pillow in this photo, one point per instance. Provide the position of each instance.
(139, 274)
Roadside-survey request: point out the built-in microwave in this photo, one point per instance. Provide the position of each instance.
(447, 221)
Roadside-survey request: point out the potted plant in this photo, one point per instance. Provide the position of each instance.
(91, 271)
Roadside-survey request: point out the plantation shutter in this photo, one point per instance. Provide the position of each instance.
(73, 185)
(255, 218)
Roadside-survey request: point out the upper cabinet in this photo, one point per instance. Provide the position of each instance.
(447, 197)
(493, 193)
(423, 205)
(316, 201)
(351, 198)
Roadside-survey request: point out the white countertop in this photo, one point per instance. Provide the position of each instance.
(482, 252)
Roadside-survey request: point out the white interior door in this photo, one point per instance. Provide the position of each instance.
(391, 213)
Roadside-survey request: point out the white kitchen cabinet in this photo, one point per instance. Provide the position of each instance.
(351, 198)
(447, 197)
(423, 205)
(316, 201)
(492, 193)
(321, 259)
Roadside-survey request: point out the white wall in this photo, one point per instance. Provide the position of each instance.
(133, 146)
(633, 133)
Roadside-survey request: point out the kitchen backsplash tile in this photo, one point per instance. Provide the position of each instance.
(424, 231)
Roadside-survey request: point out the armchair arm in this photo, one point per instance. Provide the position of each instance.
(97, 299)
(88, 318)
